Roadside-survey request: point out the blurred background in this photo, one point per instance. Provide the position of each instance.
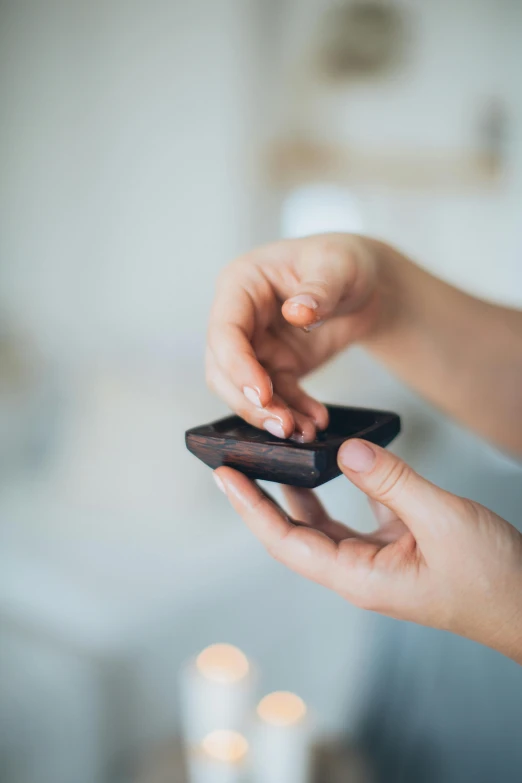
(142, 146)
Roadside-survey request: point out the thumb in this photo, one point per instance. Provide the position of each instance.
(387, 479)
(331, 270)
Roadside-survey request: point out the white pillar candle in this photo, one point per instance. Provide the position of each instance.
(221, 757)
(217, 691)
(281, 740)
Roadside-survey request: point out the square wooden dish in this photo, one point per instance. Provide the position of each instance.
(259, 455)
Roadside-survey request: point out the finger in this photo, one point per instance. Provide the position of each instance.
(305, 431)
(305, 550)
(276, 418)
(230, 331)
(331, 271)
(390, 526)
(305, 506)
(343, 567)
(382, 513)
(390, 481)
(285, 383)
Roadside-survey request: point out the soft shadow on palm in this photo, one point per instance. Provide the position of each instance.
(390, 548)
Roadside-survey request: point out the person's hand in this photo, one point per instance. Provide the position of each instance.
(262, 335)
(461, 354)
(435, 559)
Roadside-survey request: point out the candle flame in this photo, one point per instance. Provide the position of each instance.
(222, 663)
(281, 708)
(226, 746)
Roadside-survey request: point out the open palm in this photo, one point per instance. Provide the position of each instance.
(436, 559)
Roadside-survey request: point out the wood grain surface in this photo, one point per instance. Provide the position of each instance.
(259, 455)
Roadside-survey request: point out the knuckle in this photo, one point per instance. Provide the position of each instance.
(393, 481)
(318, 287)
(463, 508)
(228, 272)
(331, 245)
(274, 550)
(362, 596)
(275, 547)
(336, 251)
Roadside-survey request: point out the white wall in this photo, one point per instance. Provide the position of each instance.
(123, 158)
(459, 55)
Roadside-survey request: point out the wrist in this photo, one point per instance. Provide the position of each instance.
(395, 312)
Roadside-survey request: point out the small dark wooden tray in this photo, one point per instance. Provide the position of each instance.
(233, 442)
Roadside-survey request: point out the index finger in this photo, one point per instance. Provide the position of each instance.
(305, 550)
(230, 332)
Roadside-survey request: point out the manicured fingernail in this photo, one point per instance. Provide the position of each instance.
(252, 396)
(321, 421)
(298, 437)
(313, 326)
(357, 456)
(219, 483)
(274, 428)
(304, 299)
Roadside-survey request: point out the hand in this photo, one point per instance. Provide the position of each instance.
(435, 559)
(256, 355)
(461, 354)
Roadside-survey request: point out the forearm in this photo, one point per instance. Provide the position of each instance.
(461, 353)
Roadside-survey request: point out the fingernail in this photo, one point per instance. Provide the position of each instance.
(304, 299)
(321, 422)
(298, 437)
(274, 428)
(357, 456)
(252, 396)
(319, 425)
(311, 327)
(219, 483)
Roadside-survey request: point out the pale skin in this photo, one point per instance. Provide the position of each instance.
(435, 558)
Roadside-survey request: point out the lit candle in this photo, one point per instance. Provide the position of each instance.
(216, 692)
(281, 740)
(219, 758)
